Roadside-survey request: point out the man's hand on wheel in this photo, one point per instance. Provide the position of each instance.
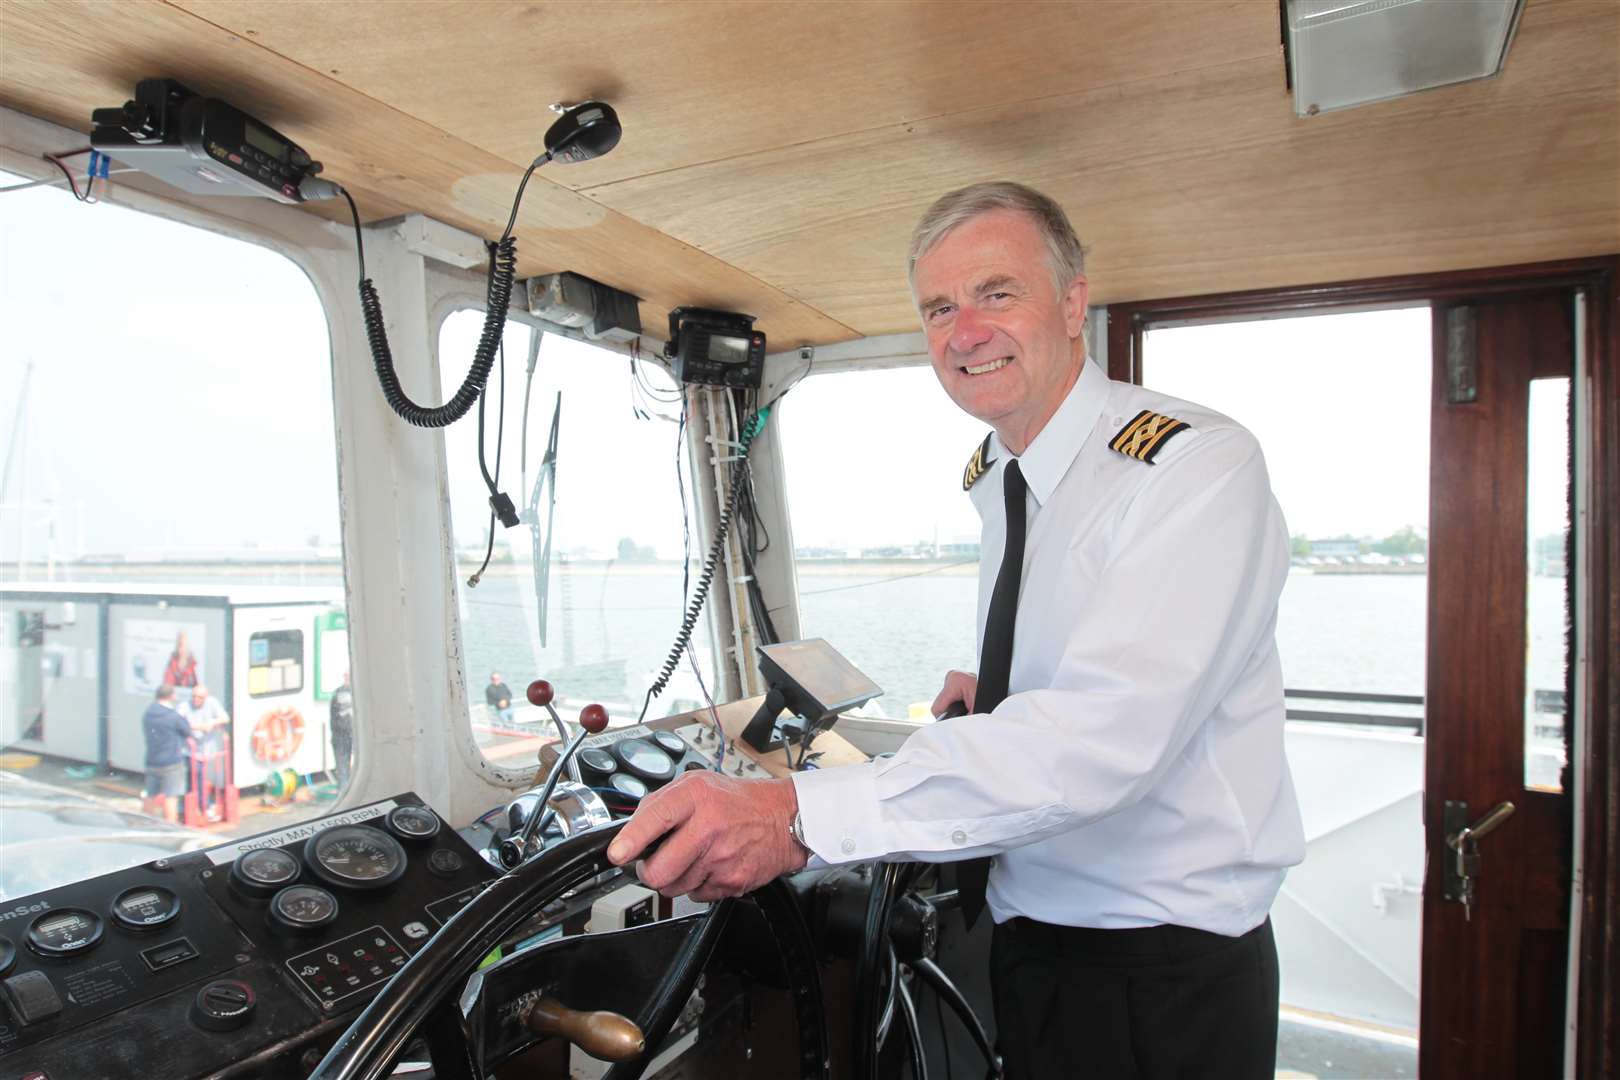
(722, 836)
(959, 686)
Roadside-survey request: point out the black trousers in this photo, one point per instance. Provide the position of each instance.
(1140, 1004)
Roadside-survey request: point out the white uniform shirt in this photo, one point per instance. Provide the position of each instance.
(1134, 775)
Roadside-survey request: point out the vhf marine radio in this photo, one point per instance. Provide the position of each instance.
(716, 348)
(202, 145)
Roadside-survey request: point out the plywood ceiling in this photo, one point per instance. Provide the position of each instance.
(776, 155)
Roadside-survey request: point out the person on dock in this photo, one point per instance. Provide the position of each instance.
(340, 716)
(498, 696)
(209, 722)
(168, 754)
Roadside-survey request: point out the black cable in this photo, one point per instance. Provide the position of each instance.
(946, 992)
(494, 484)
(498, 295)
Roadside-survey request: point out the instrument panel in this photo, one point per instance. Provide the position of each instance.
(239, 959)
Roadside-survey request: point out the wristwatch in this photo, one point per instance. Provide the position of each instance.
(796, 830)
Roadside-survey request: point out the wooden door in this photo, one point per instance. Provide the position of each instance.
(1493, 984)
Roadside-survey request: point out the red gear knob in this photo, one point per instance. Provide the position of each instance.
(593, 718)
(540, 693)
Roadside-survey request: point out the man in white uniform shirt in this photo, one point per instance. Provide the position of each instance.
(1131, 784)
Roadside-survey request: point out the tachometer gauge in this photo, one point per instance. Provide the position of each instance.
(64, 932)
(302, 908)
(645, 760)
(262, 871)
(355, 857)
(414, 823)
(145, 907)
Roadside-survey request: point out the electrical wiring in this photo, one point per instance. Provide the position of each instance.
(494, 483)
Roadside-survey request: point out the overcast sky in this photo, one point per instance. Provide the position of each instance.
(181, 399)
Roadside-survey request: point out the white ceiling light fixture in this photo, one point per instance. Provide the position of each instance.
(1343, 53)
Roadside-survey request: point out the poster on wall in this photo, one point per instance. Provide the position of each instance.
(159, 650)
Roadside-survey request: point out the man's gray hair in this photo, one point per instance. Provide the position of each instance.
(955, 208)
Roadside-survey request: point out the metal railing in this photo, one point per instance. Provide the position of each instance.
(1323, 716)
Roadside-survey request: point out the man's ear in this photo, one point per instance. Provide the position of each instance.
(1074, 305)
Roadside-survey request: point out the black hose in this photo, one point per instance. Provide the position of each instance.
(908, 1010)
(932, 974)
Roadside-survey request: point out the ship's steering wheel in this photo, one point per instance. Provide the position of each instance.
(423, 996)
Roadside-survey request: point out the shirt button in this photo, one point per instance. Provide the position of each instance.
(958, 837)
(848, 845)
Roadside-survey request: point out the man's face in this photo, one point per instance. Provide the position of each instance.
(1004, 341)
(496, 679)
(198, 697)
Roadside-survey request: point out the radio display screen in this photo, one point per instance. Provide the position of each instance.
(260, 139)
(728, 350)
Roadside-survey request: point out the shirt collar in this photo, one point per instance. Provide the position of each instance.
(1045, 460)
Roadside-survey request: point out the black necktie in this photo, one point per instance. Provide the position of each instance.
(995, 662)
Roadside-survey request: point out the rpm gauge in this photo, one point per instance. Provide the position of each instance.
(355, 857)
(301, 908)
(645, 760)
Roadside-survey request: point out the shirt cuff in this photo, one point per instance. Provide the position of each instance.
(837, 808)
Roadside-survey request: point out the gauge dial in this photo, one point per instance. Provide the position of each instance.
(303, 907)
(645, 760)
(263, 871)
(64, 932)
(415, 823)
(672, 743)
(355, 857)
(8, 955)
(595, 760)
(625, 784)
(145, 907)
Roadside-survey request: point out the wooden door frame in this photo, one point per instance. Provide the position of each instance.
(1597, 1006)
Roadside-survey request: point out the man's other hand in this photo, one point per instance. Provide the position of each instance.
(959, 686)
(725, 837)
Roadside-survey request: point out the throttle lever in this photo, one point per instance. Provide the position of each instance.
(606, 1036)
(953, 710)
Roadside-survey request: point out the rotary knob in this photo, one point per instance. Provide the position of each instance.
(223, 1005)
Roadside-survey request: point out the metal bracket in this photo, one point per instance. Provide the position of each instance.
(1462, 357)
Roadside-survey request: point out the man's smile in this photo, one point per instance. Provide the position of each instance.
(988, 366)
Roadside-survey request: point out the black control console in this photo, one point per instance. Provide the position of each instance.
(243, 959)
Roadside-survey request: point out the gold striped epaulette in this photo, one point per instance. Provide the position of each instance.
(1146, 435)
(977, 465)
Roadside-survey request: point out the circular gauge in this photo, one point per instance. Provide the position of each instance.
(595, 760)
(645, 760)
(302, 908)
(444, 862)
(65, 932)
(8, 955)
(672, 743)
(355, 857)
(261, 872)
(416, 823)
(625, 784)
(145, 907)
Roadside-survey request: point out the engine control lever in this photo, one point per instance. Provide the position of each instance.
(953, 710)
(515, 848)
(606, 1036)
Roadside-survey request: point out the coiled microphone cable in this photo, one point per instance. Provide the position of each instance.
(711, 561)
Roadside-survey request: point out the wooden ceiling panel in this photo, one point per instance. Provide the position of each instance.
(776, 155)
(1195, 182)
(61, 60)
(701, 82)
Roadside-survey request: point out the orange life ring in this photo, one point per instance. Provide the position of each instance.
(277, 735)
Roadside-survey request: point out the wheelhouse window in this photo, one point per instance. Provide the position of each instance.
(885, 542)
(168, 516)
(587, 591)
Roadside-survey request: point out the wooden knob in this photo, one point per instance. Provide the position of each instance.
(606, 1036)
(593, 718)
(540, 693)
